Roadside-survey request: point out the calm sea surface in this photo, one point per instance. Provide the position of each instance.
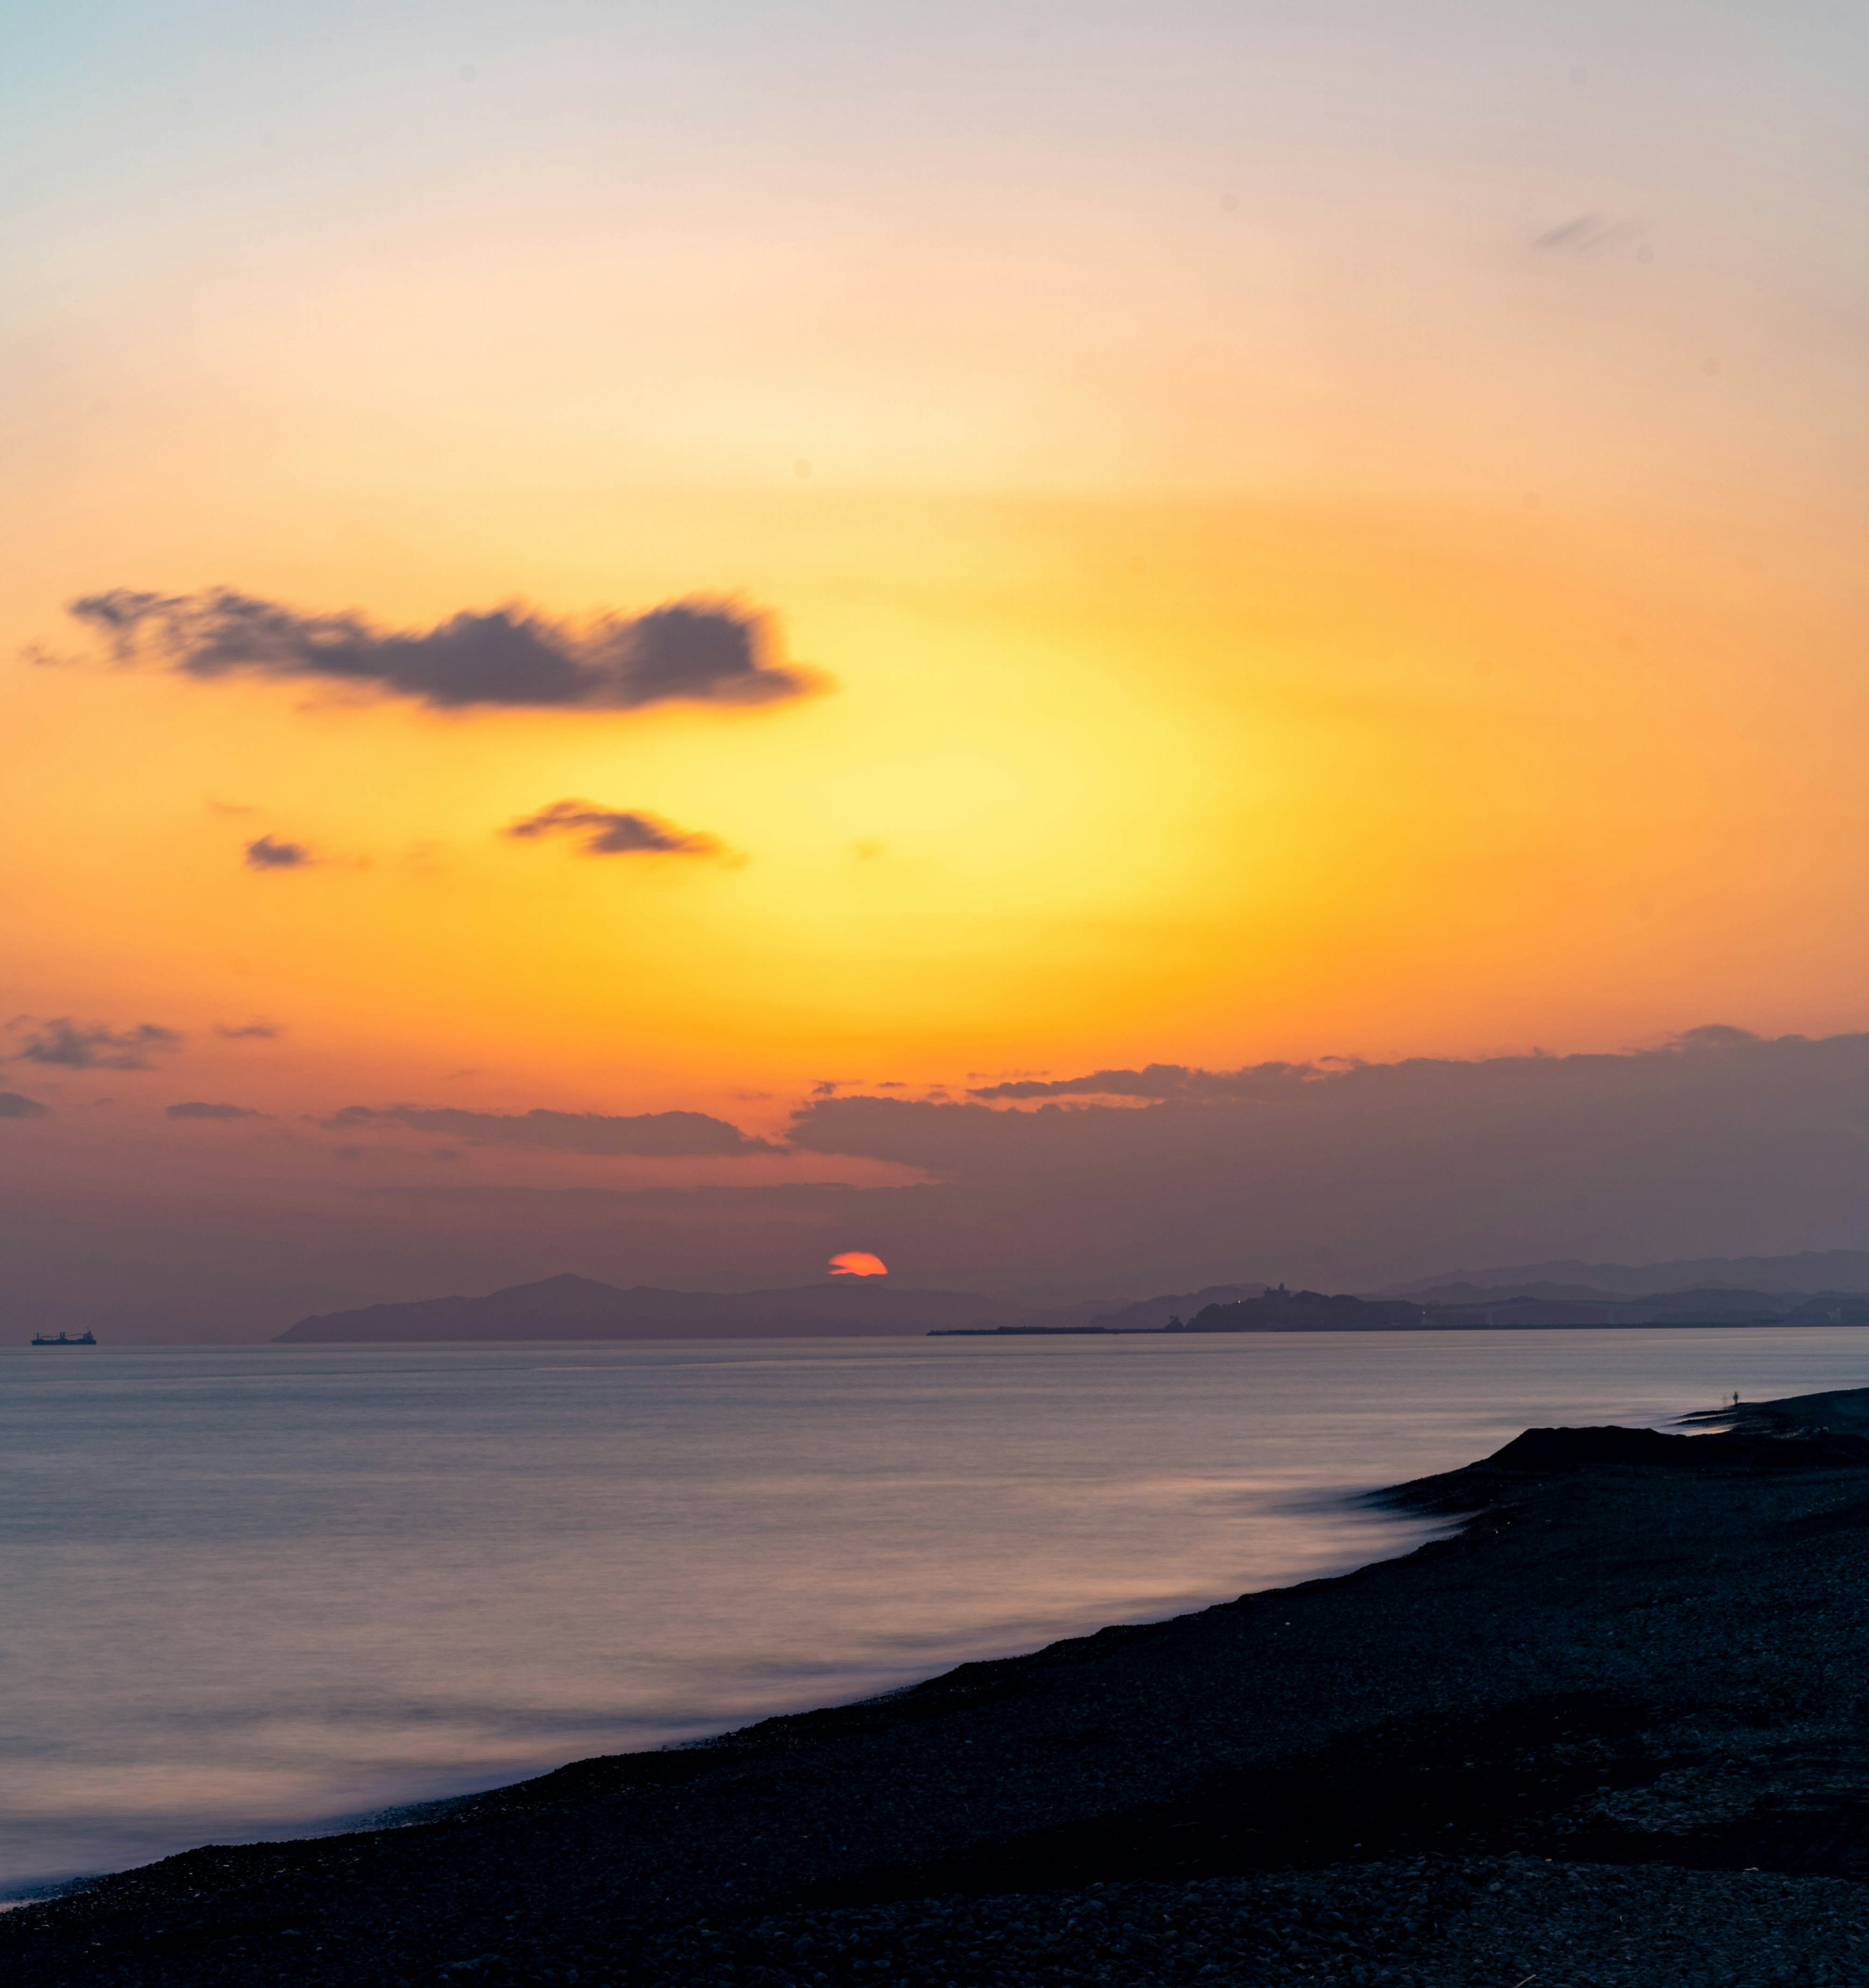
(249, 1591)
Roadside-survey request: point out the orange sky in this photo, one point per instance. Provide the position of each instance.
(1348, 778)
(1329, 533)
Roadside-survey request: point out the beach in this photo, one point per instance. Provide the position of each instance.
(1631, 1689)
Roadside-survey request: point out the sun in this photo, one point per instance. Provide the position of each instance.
(858, 1263)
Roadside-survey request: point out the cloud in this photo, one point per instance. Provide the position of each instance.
(14, 1106)
(264, 853)
(255, 1031)
(703, 651)
(1717, 1143)
(648, 1134)
(435, 1155)
(196, 1110)
(613, 832)
(70, 1045)
(1586, 234)
(1158, 1081)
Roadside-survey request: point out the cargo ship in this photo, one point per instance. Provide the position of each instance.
(45, 1339)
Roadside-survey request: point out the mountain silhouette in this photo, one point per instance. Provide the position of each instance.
(573, 1307)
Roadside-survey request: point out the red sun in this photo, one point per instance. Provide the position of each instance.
(858, 1263)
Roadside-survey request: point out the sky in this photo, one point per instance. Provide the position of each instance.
(617, 617)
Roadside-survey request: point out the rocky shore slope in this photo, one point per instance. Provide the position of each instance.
(1616, 1729)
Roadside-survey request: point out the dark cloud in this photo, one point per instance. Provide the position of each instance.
(265, 852)
(14, 1106)
(70, 1045)
(196, 1110)
(698, 651)
(1716, 1143)
(613, 832)
(1158, 1081)
(648, 1134)
(437, 1156)
(241, 1031)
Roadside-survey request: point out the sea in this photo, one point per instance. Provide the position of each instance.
(256, 1592)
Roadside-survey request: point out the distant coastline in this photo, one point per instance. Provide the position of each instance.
(1409, 1325)
(570, 1307)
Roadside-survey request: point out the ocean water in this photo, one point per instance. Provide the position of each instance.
(250, 1592)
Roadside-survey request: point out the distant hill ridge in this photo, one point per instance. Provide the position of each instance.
(1815, 1288)
(573, 1307)
(1808, 1271)
(1281, 1311)
(1158, 1311)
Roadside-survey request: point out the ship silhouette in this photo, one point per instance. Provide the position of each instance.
(45, 1339)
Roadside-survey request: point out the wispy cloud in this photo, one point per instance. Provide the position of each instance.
(1157, 1081)
(253, 1031)
(604, 831)
(12, 1105)
(72, 1045)
(195, 1109)
(703, 651)
(647, 1134)
(1586, 234)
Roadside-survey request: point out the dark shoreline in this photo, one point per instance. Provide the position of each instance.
(1428, 1325)
(1618, 1728)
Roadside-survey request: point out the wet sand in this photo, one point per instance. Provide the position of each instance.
(1618, 1728)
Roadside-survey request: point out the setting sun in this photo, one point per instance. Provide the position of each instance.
(858, 1263)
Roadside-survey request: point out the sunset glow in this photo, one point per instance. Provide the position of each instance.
(1212, 585)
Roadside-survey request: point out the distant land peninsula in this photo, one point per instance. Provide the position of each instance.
(571, 1307)
(1278, 1310)
(568, 1307)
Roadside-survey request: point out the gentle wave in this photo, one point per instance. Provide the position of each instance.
(256, 1591)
